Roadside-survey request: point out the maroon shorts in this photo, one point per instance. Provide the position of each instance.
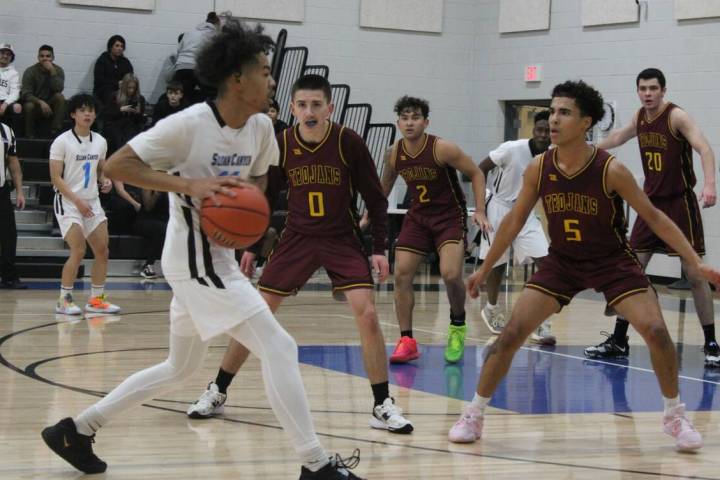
(425, 234)
(617, 276)
(296, 257)
(684, 210)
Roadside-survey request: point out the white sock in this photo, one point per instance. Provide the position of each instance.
(480, 402)
(671, 403)
(314, 458)
(65, 291)
(97, 290)
(89, 421)
(491, 307)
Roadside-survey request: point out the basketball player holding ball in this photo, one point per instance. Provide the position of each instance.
(207, 149)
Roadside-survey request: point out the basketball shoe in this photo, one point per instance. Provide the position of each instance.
(712, 354)
(73, 447)
(456, 343)
(405, 350)
(494, 319)
(610, 348)
(337, 469)
(66, 306)
(469, 427)
(210, 403)
(99, 305)
(388, 416)
(543, 336)
(677, 425)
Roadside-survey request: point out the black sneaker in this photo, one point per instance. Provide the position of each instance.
(337, 469)
(712, 354)
(73, 447)
(610, 348)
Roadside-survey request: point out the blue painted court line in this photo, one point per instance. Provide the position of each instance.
(541, 381)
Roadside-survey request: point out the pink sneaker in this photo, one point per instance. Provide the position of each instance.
(405, 350)
(677, 425)
(468, 428)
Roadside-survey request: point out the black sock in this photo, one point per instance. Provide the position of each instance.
(381, 391)
(621, 329)
(709, 332)
(223, 380)
(457, 320)
(406, 333)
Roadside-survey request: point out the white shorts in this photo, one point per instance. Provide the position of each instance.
(209, 311)
(530, 242)
(67, 213)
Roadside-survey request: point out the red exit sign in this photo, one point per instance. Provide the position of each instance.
(533, 73)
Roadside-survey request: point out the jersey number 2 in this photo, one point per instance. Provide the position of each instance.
(316, 203)
(572, 231)
(422, 197)
(86, 169)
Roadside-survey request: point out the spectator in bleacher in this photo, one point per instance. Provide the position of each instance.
(272, 112)
(124, 113)
(151, 224)
(42, 87)
(172, 101)
(10, 107)
(8, 232)
(188, 47)
(110, 68)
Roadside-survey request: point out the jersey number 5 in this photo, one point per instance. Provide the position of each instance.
(422, 197)
(654, 161)
(86, 170)
(572, 231)
(316, 203)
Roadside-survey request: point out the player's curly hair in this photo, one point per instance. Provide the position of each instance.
(588, 100)
(80, 100)
(407, 102)
(231, 50)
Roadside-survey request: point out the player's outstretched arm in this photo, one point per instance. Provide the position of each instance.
(509, 227)
(450, 154)
(681, 121)
(618, 136)
(620, 180)
(125, 166)
(389, 174)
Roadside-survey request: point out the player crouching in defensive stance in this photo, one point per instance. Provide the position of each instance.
(582, 189)
(77, 158)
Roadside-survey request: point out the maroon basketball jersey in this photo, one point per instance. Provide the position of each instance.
(666, 155)
(323, 182)
(585, 221)
(434, 189)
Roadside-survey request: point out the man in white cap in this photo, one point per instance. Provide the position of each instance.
(9, 86)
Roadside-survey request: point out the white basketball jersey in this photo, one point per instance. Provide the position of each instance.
(196, 143)
(513, 158)
(80, 156)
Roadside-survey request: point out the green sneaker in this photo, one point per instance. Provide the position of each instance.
(456, 343)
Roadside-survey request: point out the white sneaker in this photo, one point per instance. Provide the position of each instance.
(543, 336)
(388, 416)
(210, 403)
(494, 319)
(66, 306)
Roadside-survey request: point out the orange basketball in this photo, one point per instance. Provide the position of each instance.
(238, 221)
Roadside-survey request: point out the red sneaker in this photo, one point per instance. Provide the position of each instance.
(405, 350)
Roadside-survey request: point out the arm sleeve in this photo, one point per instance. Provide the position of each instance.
(501, 156)
(27, 86)
(57, 81)
(268, 152)
(14, 88)
(366, 182)
(165, 145)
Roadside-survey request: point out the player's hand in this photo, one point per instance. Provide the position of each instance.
(84, 208)
(20, 200)
(46, 110)
(210, 187)
(380, 266)
(364, 221)
(711, 275)
(105, 185)
(481, 220)
(247, 264)
(476, 282)
(708, 196)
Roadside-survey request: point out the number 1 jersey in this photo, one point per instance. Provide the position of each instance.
(80, 156)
